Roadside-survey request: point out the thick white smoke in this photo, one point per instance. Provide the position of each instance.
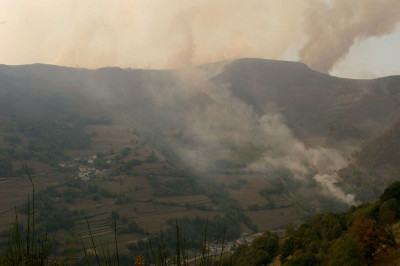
(224, 127)
(332, 28)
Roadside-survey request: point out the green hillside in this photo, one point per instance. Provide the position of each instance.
(363, 235)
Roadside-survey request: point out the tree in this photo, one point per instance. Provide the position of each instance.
(366, 234)
(393, 191)
(303, 259)
(260, 252)
(346, 252)
(114, 215)
(152, 158)
(125, 151)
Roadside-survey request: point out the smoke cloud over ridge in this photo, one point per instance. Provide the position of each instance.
(332, 29)
(175, 33)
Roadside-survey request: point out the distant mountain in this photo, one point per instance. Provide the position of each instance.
(262, 114)
(315, 104)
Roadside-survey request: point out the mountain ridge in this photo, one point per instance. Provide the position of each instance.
(228, 107)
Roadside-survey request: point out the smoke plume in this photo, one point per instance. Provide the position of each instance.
(332, 28)
(225, 127)
(176, 33)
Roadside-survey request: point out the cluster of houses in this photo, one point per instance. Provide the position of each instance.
(86, 168)
(215, 247)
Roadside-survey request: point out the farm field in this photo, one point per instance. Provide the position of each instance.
(276, 219)
(15, 191)
(236, 147)
(134, 196)
(283, 213)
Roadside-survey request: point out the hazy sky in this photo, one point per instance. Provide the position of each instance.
(357, 38)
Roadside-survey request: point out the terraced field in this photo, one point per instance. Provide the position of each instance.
(142, 205)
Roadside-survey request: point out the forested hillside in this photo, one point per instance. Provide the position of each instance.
(363, 235)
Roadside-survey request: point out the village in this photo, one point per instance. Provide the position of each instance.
(86, 168)
(245, 239)
(215, 247)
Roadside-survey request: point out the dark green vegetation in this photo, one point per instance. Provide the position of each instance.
(352, 237)
(261, 251)
(43, 141)
(47, 139)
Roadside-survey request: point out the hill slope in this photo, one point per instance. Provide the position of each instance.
(269, 136)
(363, 235)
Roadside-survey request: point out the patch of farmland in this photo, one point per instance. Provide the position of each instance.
(274, 219)
(246, 197)
(163, 208)
(144, 208)
(195, 200)
(248, 192)
(156, 221)
(152, 169)
(106, 138)
(281, 201)
(127, 210)
(253, 180)
(99, 226)
(141, 195)
(14, 191)
(137, 188)
(42, 169)
(152, 166)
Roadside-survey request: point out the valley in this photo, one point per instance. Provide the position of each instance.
(95, 183)
(249, 145)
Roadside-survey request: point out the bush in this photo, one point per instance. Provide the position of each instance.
(260, 252)
(393, 191)
(152, 158)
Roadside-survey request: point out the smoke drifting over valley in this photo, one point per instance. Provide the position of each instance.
(260, 114)
(169, 114)
(169, 34)
(222, 126)
(277, 119)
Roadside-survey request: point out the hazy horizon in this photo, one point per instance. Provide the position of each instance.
(356, 39)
